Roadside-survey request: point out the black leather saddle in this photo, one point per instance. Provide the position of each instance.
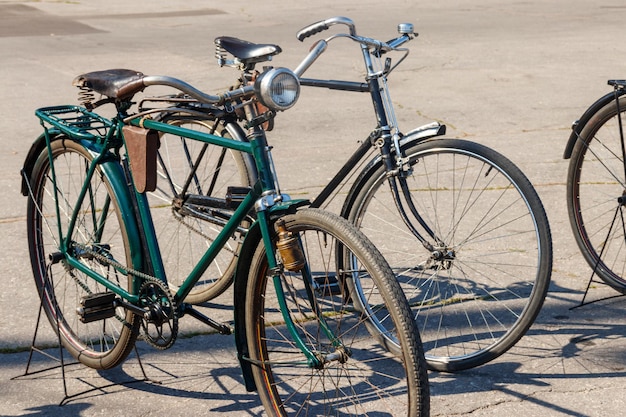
(247, 52)
(118, 84)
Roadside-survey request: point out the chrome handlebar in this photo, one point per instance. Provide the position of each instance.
(380, 47)
(194, 92)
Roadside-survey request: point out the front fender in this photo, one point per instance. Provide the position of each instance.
(250, 243)
(413, 137)
(423, 132)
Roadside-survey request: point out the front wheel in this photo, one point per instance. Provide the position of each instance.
(480, 280)
(352, 370)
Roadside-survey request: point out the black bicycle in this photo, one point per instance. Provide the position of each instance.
(460, 224)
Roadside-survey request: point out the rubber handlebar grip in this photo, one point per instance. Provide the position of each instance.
(312, 30)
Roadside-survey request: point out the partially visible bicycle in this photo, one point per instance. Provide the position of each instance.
(462, 227)
(98, 260)
(596, 185)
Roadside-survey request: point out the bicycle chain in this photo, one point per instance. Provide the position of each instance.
(108, 261)
(103, 260)
(160, 343)
(181, 220)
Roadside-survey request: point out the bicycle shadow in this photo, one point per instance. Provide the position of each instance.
(71, 410)
(187, 372)
(563, 345)
(570, 345)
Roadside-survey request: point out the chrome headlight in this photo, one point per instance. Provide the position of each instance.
(277, 88)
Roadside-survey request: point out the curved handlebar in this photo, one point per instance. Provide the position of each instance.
(322, 25)
(193, 91)
(320, 46)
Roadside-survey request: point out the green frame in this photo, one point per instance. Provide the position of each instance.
(107, 161)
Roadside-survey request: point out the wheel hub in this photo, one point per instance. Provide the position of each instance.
(440, 259)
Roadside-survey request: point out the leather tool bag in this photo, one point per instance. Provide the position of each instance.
(142, 146)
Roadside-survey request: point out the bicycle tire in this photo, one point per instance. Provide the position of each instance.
(184, 231)
(370, 378)
(495, 256)
(100, 344)
(596, 183)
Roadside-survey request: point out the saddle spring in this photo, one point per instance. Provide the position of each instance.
(86, 97)
(220, 54)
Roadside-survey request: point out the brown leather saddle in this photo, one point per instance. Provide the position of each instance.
(117, 84)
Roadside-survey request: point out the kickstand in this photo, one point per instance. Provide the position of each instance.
(591, 280)
(595, 268)
(34, 348)
(62, 364)
(145, 378)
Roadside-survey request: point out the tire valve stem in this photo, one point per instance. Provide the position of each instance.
(289, 248)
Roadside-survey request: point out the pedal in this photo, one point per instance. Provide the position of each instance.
(235, 195)
(96, 307)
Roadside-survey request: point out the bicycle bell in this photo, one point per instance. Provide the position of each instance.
(405, 28)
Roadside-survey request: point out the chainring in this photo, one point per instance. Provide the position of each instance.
(160, 323)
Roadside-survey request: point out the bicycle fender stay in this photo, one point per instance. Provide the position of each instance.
(580, 124)
(31, 157)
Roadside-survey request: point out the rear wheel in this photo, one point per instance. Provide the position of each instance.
(98, 239)
(354, 370)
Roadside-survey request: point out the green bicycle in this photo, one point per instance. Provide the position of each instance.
(100, 274)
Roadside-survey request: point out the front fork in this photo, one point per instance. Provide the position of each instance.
(294, 253)
(398, 169)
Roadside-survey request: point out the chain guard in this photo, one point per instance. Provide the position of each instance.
(160, 323)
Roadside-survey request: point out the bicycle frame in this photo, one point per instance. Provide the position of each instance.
(263, 198)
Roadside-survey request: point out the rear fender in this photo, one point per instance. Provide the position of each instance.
(580, 124)
(31, 157)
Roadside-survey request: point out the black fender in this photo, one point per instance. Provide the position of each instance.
(236, 132)
(580, 124)
(250, 243)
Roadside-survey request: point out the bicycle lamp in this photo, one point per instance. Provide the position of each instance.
(277, 88)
